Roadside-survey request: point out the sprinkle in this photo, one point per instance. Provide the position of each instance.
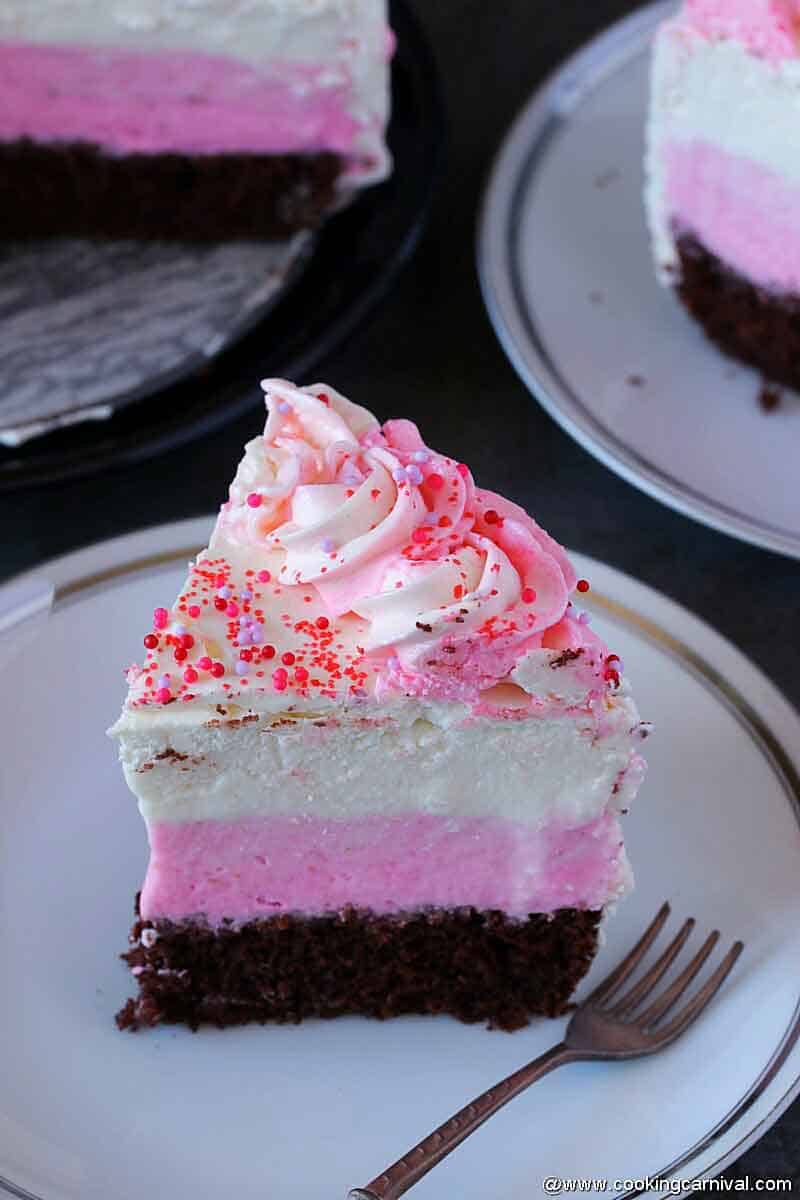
(254, 500)
(217, 670)
(421, 456)
(180, 654)
(194, 610)
(179, 630)
(280, 680)
(190, 675)
(301, 675)
(491, 517)
(163, 682)
(414, 475)
(283, 407)
(219, 604)
(399, 475)
(435, 481)
(204, 663)
(244, 638)
(224, 593)
(420, 537)
(322, 622)
(584, 618)
(287, 659)
(582, 585)
(528, 595)
(151, 641)
(232, 610)
(463, 469)
(187, 641)
(255, 635)
(163, 695)
(269, 651)
(246, 594)
(444, 522)
(160, 618)
(264, 577)
(328, 545)
(241, 668)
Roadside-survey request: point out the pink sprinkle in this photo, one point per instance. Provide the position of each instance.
(190, 675)
(160, 618)
(204, 663)
(463, 469)
(528, 595)
(194, 610)
(280, 680)
(163, 695)
(264, 577)
(301, 674)
(232, 610)
(420, 536)
(254, 500)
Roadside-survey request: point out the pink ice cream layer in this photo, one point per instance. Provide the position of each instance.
(745, 214)
(135, 103)
(768, 28)
(262, 866)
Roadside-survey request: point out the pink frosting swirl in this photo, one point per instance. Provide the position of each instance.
(456, 584)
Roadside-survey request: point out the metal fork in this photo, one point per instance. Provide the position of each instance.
(599, 1029)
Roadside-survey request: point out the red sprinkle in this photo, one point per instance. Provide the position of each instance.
(268, 652)
(528, 595)
(463, 469)
(419, 536)
(280, 680)
(219, 604)
(194, 610)
(445, 522)
(163, 695)
(322, 622)
(582, 585)
(254, 500)
(491, 517)
(217, 670)
(190, 675)
(301, 674)
(187, 641)
(160, 618)
(246, 655)
(204, 663)
(151, 641)
(435, 481)
(180, 654)
(287, 659)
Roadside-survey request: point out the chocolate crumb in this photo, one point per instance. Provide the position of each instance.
(566, 656)
(636, 381)
(425, 628)
(769, 397)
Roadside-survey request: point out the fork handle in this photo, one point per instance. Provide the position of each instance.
(408, 1170)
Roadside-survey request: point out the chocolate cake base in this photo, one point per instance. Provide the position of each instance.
(477, 966)
(74, 189)
(757, 327)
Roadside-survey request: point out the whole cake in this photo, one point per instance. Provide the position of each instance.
(723, 166)
(380, 755)
(194, 119)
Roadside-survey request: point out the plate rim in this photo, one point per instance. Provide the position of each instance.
(674, 629)
(521, 152)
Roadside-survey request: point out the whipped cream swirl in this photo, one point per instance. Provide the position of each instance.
(451, 579)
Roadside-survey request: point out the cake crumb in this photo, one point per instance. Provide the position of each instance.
(636, 381)
(769, 397)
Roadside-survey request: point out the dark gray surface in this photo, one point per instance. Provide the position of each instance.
(430, 354)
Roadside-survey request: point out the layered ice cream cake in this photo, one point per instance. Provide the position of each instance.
(379, 750)
(195, 119)
(723, 174)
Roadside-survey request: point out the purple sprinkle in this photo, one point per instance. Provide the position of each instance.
(399, 475)
(328, 545)
(164, 681)
(422, 456)
(244, 638)
(430, 519)
(224, 593)
(247, 594)
(256, 636)
(414, 475)
(584, 618)
(241, 667)
(619, 666)
(179, 630)
(283, 407)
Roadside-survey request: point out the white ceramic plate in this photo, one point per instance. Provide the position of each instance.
(567, 276)
(88, 1113)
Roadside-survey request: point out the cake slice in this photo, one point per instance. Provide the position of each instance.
(723, 167)
(380, 756)
(173, 118)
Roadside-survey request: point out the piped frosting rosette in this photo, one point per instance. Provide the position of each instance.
(456, 584)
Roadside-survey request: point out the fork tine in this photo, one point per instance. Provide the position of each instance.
(660, 1007)
(641, 990)
(621, 972)
(704, 997)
